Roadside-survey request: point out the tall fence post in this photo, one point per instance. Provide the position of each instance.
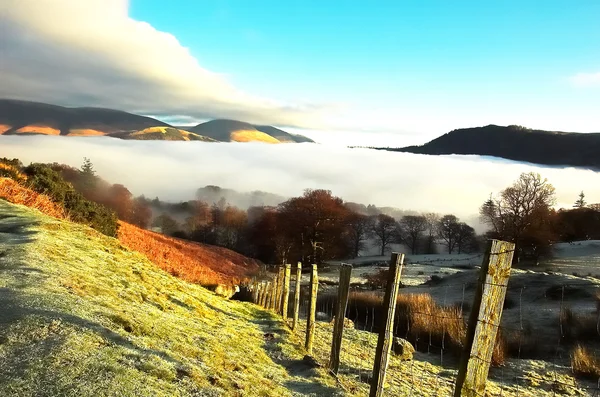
(297, 296)
(272, 294)
(340, 316)
(286, 292)
(280, 274)
(312, 308)
(265, 298)
(484, 319)
(261, 294)
(255, 286)
(386, 334)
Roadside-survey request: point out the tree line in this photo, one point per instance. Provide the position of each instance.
(319, 226)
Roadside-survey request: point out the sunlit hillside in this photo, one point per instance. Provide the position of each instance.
(81, 315)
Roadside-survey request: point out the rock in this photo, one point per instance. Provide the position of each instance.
(403, 349)
(320, 316)
(311, 362)
(347, 322)
(226, 291)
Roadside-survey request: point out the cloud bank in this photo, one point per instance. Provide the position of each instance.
(91, 53)
(174, 170)
(586, 79)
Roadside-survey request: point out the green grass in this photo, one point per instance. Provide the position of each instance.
(81, 315)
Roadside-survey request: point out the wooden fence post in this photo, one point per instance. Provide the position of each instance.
(273, 300)
(312, 308)
(286, 292)
(261, 293)
(386, 334)
(255, 292)
(484, 319)
(280, 274)
(297, 296)
(340, 316)
(266, 295)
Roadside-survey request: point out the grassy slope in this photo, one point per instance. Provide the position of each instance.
(81, 315)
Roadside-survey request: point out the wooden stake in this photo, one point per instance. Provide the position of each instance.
(340, 316)
(386, 334)
(484, 319)
(312, 308)
(297, 296)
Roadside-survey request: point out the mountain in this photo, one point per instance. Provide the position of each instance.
(35, 118)
(239, 131)
(22, 117)
(161, 133)
(519, 144)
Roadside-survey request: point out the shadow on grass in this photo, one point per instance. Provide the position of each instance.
(309, 383)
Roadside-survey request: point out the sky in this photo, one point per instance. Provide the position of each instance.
(388, 73)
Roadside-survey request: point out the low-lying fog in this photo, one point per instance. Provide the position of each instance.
(174, 170)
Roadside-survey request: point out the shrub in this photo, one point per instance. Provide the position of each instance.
(12, 169)
(43, 179)
(560, 292)
(17, 194)
(585, 364)
(578, 327)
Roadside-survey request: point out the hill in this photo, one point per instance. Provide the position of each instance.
(519, 144)
(238, 131)
(23, 117)
(162, 133)
(82, 315)
(29, 118)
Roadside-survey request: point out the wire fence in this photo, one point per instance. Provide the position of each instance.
(547, 343)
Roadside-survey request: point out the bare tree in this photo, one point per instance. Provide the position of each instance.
(448, 230)
(360, 227)
(385, 231)
(514, 214)
(432, 222)
(465, 237)
(412, 228)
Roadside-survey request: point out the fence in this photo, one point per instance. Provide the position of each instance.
(457, 329)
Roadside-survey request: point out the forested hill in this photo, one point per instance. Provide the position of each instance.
(518, 143)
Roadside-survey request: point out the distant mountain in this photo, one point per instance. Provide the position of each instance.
(239, 131)
(22, 117)
(161, 133)
(29, 118)
(519, 144)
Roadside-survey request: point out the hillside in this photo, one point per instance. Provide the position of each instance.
(519, 144)
(22, 117)
(81, 315)
(161, 134)
(238, 131)
(28, 118)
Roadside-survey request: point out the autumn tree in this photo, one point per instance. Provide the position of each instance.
(359, 229)
(141, 213)
(385, 231)
(314, 225)
(166, 223)
(514, 214)
(412, 228)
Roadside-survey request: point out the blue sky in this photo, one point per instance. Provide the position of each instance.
(351, 72)
(492, 57)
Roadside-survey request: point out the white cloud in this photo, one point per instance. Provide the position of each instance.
(91, 53)
(586, 79)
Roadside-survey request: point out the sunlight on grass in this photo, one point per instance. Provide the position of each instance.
(82, 315)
